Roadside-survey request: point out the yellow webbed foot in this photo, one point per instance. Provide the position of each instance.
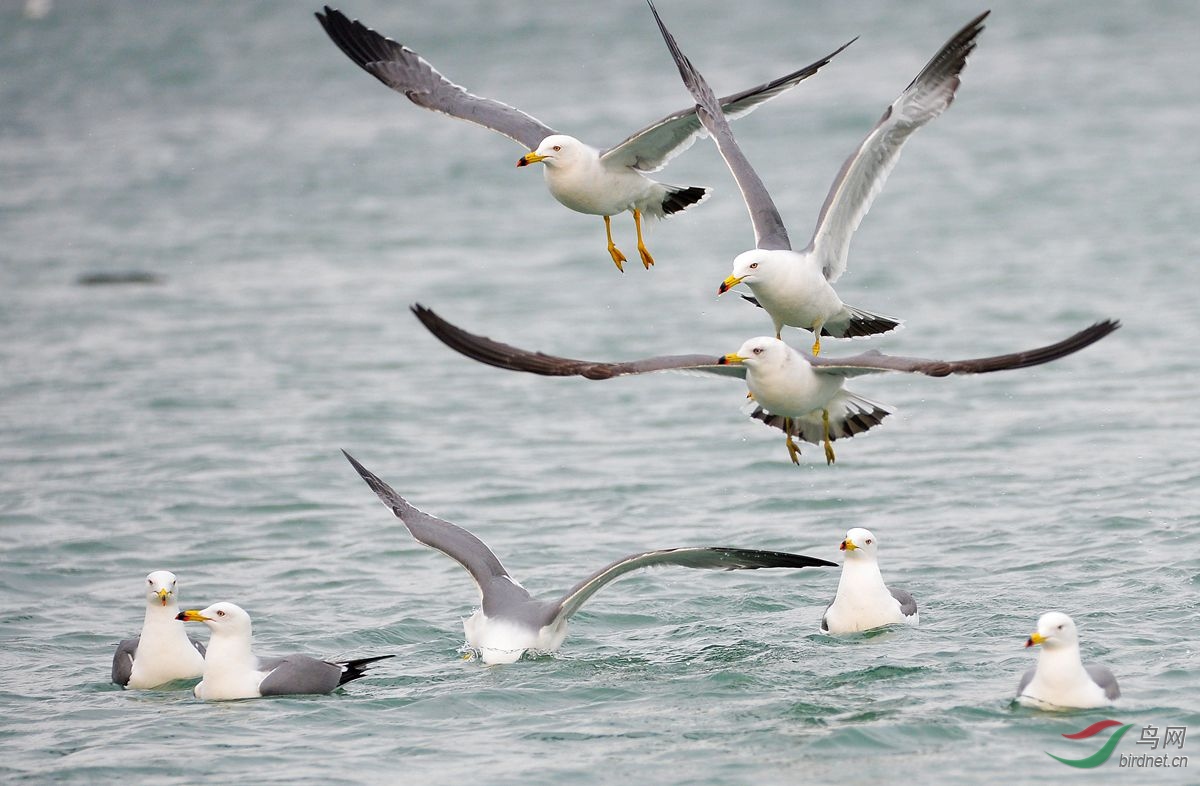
(647, 260)
(817, 345)
(617, 257)
(793, 448)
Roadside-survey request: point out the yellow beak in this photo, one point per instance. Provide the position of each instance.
(191, 615)
(163, 594)
(529, 158)
(728, 284)
(1035, 638)
(730, 358)
(848, 545)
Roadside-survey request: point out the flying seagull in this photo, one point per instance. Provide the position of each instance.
(583, 178)
(795, 286)
(511, 621)
(1060, 680)
(802, 395)
(863, 601)
(163, 652)
(233, 671)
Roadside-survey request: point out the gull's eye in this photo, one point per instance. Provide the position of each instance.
(753, 265)
(870, 541)
(556, 148)
(150, 582)
(1060, 627)
(758, 350)
(220, 614)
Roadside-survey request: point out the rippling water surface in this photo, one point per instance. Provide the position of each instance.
(289, 210)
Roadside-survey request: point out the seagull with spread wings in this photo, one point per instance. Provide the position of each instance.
(583, 178)
(509, 620)
(802, 395)
(795, 287)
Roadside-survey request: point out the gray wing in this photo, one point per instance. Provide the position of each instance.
(493, 353)
(908, 604)
(450, 539)
(1105, 679)
(864, 173)
(1026, 678)
(122, 665)
(198, 645)
(649, 149)
(709, 558)
(298, 674)
(874, 362)
(405, 71)
(769, 231)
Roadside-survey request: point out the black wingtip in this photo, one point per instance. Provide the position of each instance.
(387, 495)
(353, 669)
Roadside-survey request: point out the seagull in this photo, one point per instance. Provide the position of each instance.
(863, 601)
(795, 286)
(581, 177)
(233, 671)
(510, 621)
(802, 395)
(163, 652)
(1060, 680)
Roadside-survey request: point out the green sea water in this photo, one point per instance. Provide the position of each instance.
(289, 209)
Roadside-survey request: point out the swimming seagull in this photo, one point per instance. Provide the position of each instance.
(233, 671)
(802, 395)
(510, 621)
(863, 601)
(795, 286)
(1060, 680)
(163, 652)
(583, 178)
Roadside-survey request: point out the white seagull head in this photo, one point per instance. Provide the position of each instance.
(555, 150)
(223, 619)
(1054, 630)
(859, 543)
(160, 588)
(751, 267)
(760, 353)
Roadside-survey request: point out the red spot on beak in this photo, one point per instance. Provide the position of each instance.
(721, 290)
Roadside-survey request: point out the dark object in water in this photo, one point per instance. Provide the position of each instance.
(118, 277)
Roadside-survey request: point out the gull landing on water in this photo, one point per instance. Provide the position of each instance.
(863, 601)
(163, 652)
(584, 179)
(795, 286)
(233, 671)
(1060, 680)
(802, 395)
(510, 621)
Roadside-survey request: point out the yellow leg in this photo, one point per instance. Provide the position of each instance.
(793, 448)
(613, 251)
(647, 260)
(829, 457)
